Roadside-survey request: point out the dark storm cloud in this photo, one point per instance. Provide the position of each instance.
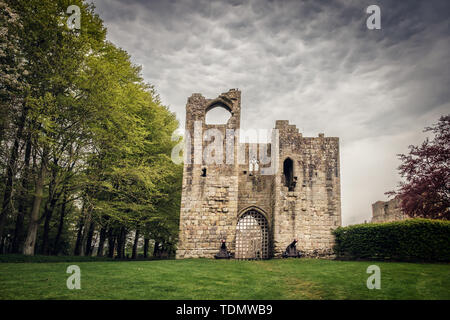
(312, 62)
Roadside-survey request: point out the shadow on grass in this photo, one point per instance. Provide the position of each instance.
(18, 258)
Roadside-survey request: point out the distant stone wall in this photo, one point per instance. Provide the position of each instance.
(386, 211)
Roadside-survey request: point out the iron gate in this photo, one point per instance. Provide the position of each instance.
(252, 236)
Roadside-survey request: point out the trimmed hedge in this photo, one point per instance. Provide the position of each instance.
(407, 240)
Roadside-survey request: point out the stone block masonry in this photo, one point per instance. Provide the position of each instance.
(387, 211)
(300, 199)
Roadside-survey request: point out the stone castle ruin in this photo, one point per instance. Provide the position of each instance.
(257, 197)
(387, 211)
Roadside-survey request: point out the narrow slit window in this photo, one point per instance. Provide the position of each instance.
(288, 170)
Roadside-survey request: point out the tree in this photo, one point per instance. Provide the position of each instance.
(12, 112)
(129, 174)
(85, 142)
(426, 170)
(52, 55)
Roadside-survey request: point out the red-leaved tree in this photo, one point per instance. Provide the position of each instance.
(426, 170)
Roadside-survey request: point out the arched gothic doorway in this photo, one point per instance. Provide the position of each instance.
(252, 236)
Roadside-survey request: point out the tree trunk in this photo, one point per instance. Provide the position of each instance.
(156, 249)
(2, 245)
(146, 241)
(135, 244)
(111, 242)
(18, 232)
(48, 212)
(77, 249)
(119, 244)
(88, 248)
(84, 236)
(124, 242)
(11, 168)
(30, 241)
(61, 222)
(101, 241)
(47, 215)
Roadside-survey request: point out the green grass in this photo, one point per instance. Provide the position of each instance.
(225, 279)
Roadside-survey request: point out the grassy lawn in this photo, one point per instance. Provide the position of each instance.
(230, 279)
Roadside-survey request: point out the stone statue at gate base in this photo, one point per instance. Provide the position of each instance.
(223, 253)
(291, 251)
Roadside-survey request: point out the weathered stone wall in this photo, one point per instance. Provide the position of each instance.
(208, 203)
(310, 211)
(254, 189)
(211, 205)
(386, 211)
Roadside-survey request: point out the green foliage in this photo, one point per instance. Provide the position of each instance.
(129, 175)
(100, 133)
(408, 240)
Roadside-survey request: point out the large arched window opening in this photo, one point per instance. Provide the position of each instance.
(217, 115)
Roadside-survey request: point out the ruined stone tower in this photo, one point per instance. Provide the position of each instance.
(387, 211)
(258, 197)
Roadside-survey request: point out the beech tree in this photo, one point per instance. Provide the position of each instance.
(85, 142)
(426, 170)
(12, 111)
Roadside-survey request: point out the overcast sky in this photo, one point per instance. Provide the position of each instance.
(313, 63)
